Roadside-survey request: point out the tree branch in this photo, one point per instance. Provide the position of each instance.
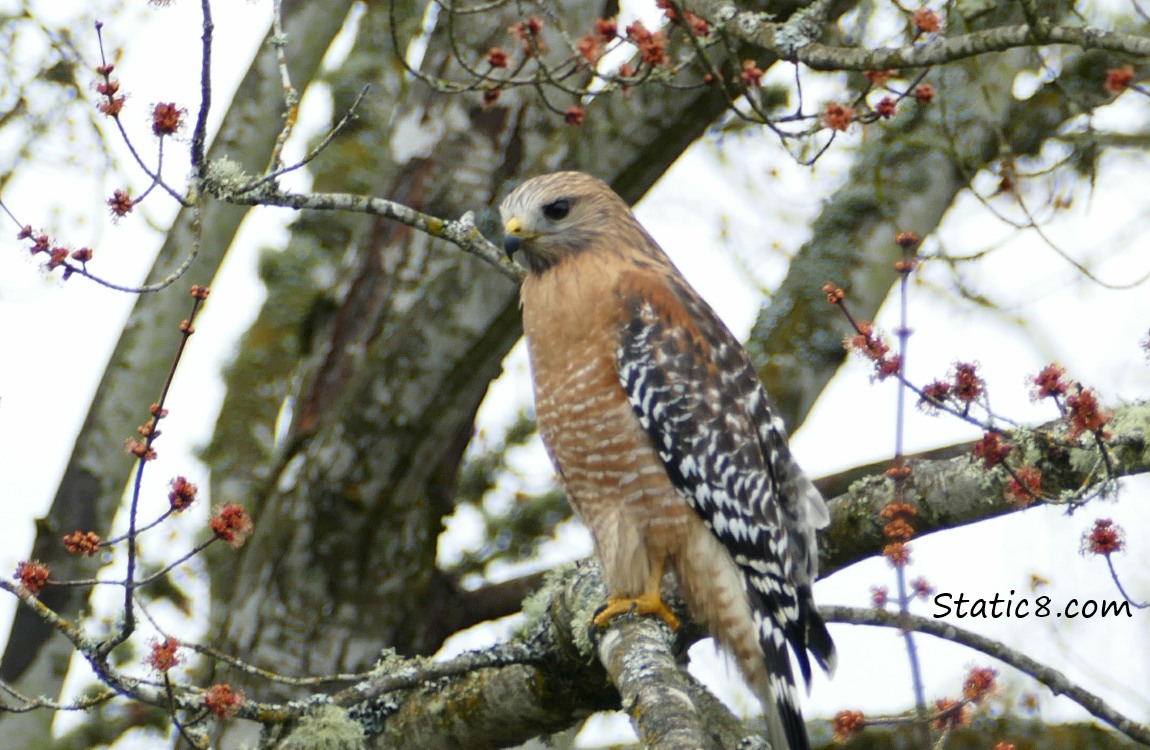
(642, 660)
(1052, 678)
(561, 676)
(754, 28)
(460, 232)
(958, 491)
(653, 688)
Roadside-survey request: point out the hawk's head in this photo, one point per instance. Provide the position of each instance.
(550, 217)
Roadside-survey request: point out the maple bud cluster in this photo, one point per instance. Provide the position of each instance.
(232, 524)
(898, 531)
(85, 543)
(1104, 538)
(111, 101)
(32, 575)
(164, 655)
(847, 724)
(223, 701)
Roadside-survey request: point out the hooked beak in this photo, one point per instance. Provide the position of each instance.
(513, 236)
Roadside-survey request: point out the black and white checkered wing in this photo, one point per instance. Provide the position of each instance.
(701, 402)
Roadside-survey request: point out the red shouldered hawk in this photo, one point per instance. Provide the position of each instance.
(665, 439)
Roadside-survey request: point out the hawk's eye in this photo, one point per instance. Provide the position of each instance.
(556, 210)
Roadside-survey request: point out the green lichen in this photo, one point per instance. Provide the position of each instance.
(581, 625)
(1131, 427)
(538, 604)
(327, 728)
(580, 605)
(225, 176)
(990, 483)
(866, 491)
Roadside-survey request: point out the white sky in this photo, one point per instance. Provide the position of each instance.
(56, 337)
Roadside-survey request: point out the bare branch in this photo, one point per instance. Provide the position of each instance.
(1058, 683)
(460, 232)
(291, 96)
(954, 492)
(756, 29)
(277, 168)
(27, 703)
(200, 134)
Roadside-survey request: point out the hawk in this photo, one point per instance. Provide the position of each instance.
(665, 440)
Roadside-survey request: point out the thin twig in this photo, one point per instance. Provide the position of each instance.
(28, 703)
(128, 625)
(291, 96)
(200, 134)
(154, 175)
(323, 144)
(900, 477)
(1121, 588)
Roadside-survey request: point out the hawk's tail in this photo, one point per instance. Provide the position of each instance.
(769, 673)
(802, 628)
(740, 617)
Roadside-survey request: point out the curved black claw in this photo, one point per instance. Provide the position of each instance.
(594, 632)
(594, 629)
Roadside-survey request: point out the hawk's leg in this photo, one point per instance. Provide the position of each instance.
(650, 602)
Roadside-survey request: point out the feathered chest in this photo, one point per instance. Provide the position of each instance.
(571, 318)
(575, 331)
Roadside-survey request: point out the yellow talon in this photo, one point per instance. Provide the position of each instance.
(645, 604)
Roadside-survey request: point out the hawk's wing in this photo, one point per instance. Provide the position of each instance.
(699, 398)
